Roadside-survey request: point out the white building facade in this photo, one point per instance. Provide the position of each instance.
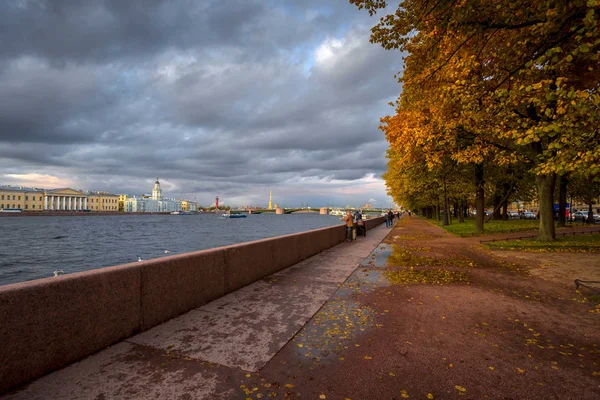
(141, 204)
(156, 203)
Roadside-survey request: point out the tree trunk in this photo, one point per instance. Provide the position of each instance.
(562, 200)
(479, 198)
(505, 210)
(590, 219)
(497, 205)
(446, 209)
(545, 185)
(461, 211)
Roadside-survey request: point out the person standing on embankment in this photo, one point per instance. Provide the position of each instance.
(349, 225)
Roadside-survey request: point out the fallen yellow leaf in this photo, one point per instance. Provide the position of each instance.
(429, 396)
(322, 396)
(368, 357)
(520, 370)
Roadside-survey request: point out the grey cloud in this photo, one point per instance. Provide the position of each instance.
(210, 96)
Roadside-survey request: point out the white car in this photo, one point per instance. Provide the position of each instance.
(583, 217)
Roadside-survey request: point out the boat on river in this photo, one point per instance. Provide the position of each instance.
(233, 216)
(181, 212)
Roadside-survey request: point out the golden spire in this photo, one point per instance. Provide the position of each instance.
(270, 199)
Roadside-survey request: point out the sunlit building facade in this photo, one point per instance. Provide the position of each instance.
(102, 201)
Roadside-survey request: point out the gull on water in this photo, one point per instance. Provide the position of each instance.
(167, 251)
(140, 258)
(58, 272)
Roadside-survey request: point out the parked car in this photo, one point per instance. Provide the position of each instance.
(580, 216)
(528, 215)
(513, 215)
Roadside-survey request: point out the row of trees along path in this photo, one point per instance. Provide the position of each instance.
(498, 96)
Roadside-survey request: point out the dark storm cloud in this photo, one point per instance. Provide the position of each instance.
(225, 97)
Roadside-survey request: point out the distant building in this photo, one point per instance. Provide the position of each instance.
(102, 201)
(67, 199)
(141, 204)
(19, 197)
(36, 199)
(122, 200)
(155, 203)
(187, 205)
(157, 191)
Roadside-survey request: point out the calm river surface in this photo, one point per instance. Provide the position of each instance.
(33, 247)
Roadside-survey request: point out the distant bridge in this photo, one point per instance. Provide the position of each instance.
(285, 210)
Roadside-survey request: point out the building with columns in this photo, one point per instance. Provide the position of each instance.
(62, 199)
(65, 199)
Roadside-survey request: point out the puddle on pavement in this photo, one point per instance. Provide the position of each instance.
(378, 257)
(332, 330)
(337, 325)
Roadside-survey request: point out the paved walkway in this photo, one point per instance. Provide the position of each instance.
(209, 351)
(426, 315)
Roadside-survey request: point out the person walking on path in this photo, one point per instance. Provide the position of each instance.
(391, 218)
(349, 225)
(360, 224)
(387, 220)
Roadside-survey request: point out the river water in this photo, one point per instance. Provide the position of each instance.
(34, 247)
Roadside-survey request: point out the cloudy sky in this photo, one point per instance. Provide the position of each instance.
(230, 98)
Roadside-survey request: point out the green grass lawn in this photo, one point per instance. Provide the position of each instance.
(467, 228)
(581, 243)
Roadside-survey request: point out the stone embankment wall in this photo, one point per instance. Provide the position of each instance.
(49, 323)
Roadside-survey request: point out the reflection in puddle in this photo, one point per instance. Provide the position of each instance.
(333, 329)
(378, 257)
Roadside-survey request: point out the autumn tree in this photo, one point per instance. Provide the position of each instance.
(500, 81)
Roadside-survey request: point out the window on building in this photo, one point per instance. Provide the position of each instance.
(26, 197)
(19, 197)
(1, 205)
(33, 206)
(13, 197)
(34, 198)
(2, 197)
(26, 206)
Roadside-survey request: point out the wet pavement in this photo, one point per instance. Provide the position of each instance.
(211, 350)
